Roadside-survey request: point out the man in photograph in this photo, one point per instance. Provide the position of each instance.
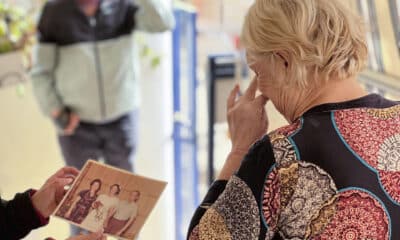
(124, 215)
(104, 204)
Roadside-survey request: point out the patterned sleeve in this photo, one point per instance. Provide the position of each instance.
(231, 209)
(213, 193)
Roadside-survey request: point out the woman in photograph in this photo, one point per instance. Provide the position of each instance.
(82, 203)
(101, 209)
(124, 215)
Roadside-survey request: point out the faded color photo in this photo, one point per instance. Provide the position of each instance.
(110, 198)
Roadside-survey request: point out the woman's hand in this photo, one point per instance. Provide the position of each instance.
(51, 193)
(247, 118)
(247, 121)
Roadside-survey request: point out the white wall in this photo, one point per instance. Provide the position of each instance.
(155, 155)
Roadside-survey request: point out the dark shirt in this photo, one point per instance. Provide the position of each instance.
(63, 22)
(333, 174)
(18, 216)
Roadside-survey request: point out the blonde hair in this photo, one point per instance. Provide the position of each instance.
(321, 38)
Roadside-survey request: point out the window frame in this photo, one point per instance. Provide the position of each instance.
(373, 35)
(395, 15)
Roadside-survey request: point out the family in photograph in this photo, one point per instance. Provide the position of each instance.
(104, 211)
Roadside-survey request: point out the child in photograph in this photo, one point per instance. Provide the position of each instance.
(101, 209)
(81, 205)
(123, 215)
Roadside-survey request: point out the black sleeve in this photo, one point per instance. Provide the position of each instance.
(212, 195)
(130, 16)
(252, 171)
(129, 23)
(256, 165)
(45, 23)
(18, 217)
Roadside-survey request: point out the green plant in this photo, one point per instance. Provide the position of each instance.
(16, 29)
(16, 34)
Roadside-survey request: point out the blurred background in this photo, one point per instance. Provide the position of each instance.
(186, 75)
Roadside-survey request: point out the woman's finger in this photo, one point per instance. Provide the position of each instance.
(232, 96)
(261, 100)
(251, 90)
(66, 171)
(60, 183)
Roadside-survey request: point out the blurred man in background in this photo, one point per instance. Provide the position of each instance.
(85, 75)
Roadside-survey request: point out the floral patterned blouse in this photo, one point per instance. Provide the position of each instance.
(334, 174)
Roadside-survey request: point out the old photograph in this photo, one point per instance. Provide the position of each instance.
(109, 198)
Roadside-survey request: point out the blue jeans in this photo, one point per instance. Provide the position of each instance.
(115, 142)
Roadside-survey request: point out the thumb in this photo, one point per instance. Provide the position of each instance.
(261, 100)
(62, 182)
(60, 190)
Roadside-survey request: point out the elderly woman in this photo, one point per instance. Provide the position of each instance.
(334, 172)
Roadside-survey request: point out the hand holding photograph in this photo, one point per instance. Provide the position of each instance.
(113, 199)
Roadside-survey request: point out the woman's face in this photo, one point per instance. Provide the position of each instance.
(268, 73)
(95, 186)
(271, 71)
